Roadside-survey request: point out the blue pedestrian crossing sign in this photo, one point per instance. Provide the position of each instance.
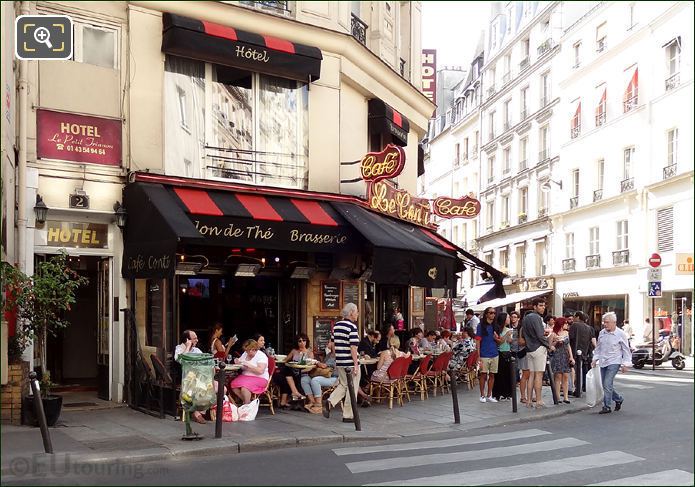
(655, 289)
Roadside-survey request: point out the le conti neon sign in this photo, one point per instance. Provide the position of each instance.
(377, 167)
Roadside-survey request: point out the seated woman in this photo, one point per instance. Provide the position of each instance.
(289, 377)
(216, 347)
(254, 372)
(386, 358)
(416, 335)
(462, 349)
(444, 343)
(324, 375)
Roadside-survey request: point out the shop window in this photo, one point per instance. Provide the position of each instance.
(235, 124)
(96, 45)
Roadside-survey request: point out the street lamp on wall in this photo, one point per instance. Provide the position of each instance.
(40, 210)
(121, 215)
(545, 187)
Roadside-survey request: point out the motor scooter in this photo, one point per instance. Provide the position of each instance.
(665, 351)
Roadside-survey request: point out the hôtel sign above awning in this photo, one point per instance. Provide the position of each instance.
(377, 167)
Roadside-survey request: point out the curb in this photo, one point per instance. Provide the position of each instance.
(166, 452)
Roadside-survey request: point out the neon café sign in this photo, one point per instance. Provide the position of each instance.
(376, 168)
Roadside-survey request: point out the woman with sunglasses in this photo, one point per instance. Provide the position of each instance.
(488, 340)
(291, 377)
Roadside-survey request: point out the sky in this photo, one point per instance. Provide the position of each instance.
(453, 29)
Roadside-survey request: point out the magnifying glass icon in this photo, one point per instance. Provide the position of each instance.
(43, 36)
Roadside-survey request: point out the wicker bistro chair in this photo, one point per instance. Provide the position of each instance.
(270, 393)
(417, 383)
(403, 385)
(469, 372)
(393, 386)
(436, 376)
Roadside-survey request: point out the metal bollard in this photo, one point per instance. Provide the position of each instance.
(579, 374)
(353, 398)
(221, 379)
(551, 379)
(40, 414)
(512, 373)
(454, 396)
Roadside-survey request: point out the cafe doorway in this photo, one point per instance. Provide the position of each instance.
(78, 356)
(393, 304)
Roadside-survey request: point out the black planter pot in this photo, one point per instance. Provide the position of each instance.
(52, 405)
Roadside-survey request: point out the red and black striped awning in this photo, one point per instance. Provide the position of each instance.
(221, 44)
(385, 120)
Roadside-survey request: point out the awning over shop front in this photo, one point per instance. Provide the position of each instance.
(509, 299)
(385, 120)
(221, 44)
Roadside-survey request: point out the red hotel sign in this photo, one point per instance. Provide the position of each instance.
(78, 138)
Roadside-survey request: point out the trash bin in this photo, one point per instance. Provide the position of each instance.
(197, 387)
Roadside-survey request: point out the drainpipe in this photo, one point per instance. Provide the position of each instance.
(23, 86)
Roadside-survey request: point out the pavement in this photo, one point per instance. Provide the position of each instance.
(123, 435)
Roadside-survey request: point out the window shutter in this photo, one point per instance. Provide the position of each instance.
(664, 229)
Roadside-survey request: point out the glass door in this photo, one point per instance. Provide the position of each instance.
(103, 327)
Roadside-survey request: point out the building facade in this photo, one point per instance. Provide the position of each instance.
(626, 168)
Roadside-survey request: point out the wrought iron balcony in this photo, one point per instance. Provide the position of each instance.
(568, 265)
(601, 45)
(670, 170)
(542, 212)
(491, 135)
(524, 63)
(576, 131)
(490, 178)
(574, 202)
(506, 125)
(523, 164)
(358, 29)
(474, 155)
(544, 101)
(257, 167)
(402, 67)
(277, 6)
(545, 46)
(543, 155)
(621, 257)
(491, 90)
(673, 81)
(593, 261)
(600, 118)
(506, 77)
(506, 170)
(473, 245)
(598, 195)
(627, 184)
(630, 104)
(504, 225)
(522, 218)
(523, 113)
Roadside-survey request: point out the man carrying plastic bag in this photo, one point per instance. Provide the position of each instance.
(594, 388)
(613, 354)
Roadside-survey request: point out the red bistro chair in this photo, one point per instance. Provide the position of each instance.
(418, 379)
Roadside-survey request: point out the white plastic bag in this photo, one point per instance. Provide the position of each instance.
(248, 412)
(594, 387)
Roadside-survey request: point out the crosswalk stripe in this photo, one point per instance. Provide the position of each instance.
(422, 445)
(654, 378)
(634, 386)
(667, 477)
(498, 475)
(439, 458)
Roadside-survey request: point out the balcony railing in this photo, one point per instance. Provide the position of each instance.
(506, 77)
(490, 178)
(568, 265)
(601, 45)
(627, 184)
(593, 261)
(522, 218)
(576, 131)
(359, 29)
(544, 101)
(670, 170)
(473, 245)
(506, 170)
(402, 67)
(523, 165)
(506, 125)
(257, 167)
(474, 155)
(621, 257)
(491, 90)
(673, 81)
(598, 195)
(545, 47)
(574, 202)
(491, 135)
(523, 114)
(524, 63)
(630, 104)
(542, 212)
(279, 7)
(600, 118)
(543, 155)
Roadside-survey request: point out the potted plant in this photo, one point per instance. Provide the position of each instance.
(40, 302)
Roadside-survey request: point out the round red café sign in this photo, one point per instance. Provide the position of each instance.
(655, 260)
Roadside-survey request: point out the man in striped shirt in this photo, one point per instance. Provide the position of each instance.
(346, 340)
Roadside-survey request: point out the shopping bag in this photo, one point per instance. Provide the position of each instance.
(594, 387)
(230, 412)
(248, 412)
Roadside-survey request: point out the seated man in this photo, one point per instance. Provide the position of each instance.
(427, 343)
(369, 343)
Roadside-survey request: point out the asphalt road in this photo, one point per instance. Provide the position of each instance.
(649, 442)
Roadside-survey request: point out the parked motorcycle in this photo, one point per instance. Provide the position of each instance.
(666, 349)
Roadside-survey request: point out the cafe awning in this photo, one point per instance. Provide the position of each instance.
(385, 120)
(221, 44)
(509, 299)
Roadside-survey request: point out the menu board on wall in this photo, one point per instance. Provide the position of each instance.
(330, 295)
(322, 332)
(351, 292)
(430, 313)
(417, 300)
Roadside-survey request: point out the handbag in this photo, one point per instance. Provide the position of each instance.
(321, 372)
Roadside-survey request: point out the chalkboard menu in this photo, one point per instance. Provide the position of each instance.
(322, 332)
(330, 295)
(351, 292)
(430, 313)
